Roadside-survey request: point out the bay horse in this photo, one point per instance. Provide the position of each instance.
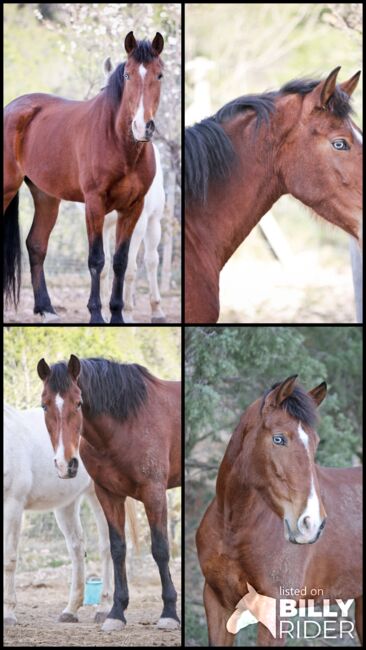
(299, 140)
(126, 424)
(31, 483)
(278, 519)
(97, 152)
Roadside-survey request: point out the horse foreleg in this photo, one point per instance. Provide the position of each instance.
(151, 243)
(105, 556)
(125, 226)
(154, 500)
(13, 511)
(114, 510)
(217, 617)
(45, 215)
(359, 618)
(95, 213)
(105, 284)
(131, 270)
(68, 520)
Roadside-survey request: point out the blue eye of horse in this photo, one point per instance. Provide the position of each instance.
(44, 407)
(340, 144)
(279, 440)
(126, 75)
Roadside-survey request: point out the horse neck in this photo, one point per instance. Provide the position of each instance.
(235, 206)
(132, 151)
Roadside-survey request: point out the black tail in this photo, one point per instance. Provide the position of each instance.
(12, 252)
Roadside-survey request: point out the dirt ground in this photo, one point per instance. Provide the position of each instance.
(70, 303)
(43, 594)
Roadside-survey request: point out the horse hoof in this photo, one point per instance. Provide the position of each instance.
(66, 617)
(48, 317)
(168, 624)
(117, 320)
(158, 319)
(113, 625)
(9, 620)
(100, 617)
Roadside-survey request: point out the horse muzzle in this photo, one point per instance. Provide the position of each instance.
(298, 537)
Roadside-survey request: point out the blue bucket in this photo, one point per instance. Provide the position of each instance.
(93, 591)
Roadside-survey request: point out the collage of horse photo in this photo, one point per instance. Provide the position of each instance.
(182, 324)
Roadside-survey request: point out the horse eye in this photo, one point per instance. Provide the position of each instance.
(78, 406)
(160, 76)
(340, 144)
(44, 407)
(279, 440)
(126, 75)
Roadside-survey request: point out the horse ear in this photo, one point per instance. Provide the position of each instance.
(349, 86)
(43, 370)
(158, 43)
(130, 43)
(280, 393)
(329, 86)
(74, 367)
(318, 393)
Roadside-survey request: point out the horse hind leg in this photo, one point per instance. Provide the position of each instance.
(45, 215)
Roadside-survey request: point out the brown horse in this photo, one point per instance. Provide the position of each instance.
(266, 525)
(300, 141)
(97, 152)
(127, 425)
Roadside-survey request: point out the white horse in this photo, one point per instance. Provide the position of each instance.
(148, 230)
(31, 483)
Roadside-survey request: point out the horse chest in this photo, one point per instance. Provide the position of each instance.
(122, 194)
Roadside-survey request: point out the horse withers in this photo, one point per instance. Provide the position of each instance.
(278, 520)
(126, 423)
(101, 155)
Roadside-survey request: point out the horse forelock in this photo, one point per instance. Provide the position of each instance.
(59, 380)
(298, 405)
(144, 52)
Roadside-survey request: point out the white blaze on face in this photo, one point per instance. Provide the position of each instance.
(310, 520)
(61, 463)
(357, 134)
(138, 122)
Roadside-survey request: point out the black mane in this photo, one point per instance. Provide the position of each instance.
(299, 405)
(143, 53)
(209, 153)
(116, 389)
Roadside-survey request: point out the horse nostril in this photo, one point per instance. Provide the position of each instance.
(73, 464)
(150, 127)
(306, 522)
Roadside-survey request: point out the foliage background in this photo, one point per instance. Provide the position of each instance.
(60, 49)
(245, 48)
(226, 370)
(157, 348)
